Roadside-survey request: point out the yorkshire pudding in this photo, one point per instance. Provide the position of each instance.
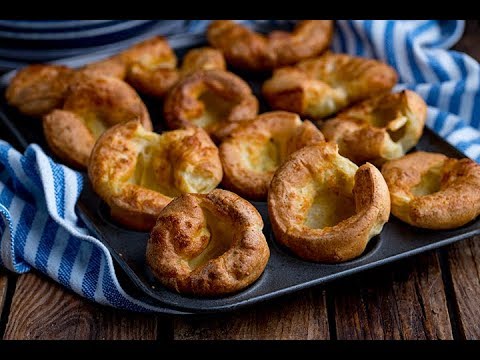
(246, 49)
(323, 207)
(138, 172)
(204, 58)
(38, 89)
(215, 100)
(254, 151)
(112, 66)
(151, 66)
(382, 128)
(92, 104)
(208, 245)
(322, 86)
(431, 191)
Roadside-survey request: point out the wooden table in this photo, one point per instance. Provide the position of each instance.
(435, 295)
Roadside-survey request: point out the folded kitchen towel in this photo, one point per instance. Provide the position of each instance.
(38, 224)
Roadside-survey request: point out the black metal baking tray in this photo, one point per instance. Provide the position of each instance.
(284, 272)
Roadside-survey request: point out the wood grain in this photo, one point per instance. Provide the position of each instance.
(400, 301)
(3, 290)
(297, 316)
(464, 264)
(42, 309)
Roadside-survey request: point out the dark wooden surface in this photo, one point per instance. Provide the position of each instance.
(431, 296)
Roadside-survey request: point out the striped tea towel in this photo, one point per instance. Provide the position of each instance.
(38, 224)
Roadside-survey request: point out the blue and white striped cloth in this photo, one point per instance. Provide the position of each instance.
(38, 224)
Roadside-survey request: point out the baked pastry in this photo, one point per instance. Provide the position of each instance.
(113, 66)
(253, 152)
(92, 104)
(208, 245)
(382, 128)
(138, 172)
(215, 100)
(246, 49)
(322, 86)
(151, 66)
(432, 191)
(325, 208)
(204, 58)
(38, 89)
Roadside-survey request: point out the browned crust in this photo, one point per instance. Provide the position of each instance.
(249, 50)
(110, 99)
(189, 152)
(337, 243)
(68, 137)
(176, 238)
(155, 83)
(107, 99)
(151, 66)
(204, 58)
(322, 86)
(284, 129)
(112, 66)
(38, 89)
(455, 204)
(378, 142)
(152, 52)
(182, 104)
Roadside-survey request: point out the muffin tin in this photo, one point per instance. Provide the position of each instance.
(284, 273)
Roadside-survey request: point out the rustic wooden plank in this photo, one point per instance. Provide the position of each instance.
(464, 265)
(42, 309)
(400, 301)
(3, 290)
(298, 316)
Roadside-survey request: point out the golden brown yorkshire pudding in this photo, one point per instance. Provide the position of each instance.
(322, 86)
(246, 49)
(382, 128)
(92, 104)
(155, 80)
(113, 66)
(138, 172)
(215, 100)
(429, 190)
(208, 245)
(204, 58)
(38, 89)
(253, 152)
(151, 66)
(323, 207)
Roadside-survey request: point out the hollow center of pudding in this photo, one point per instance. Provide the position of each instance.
(260, 156)
(429, 182)
(153, 172)
(95, 124)
(329, 207)
(324, 100)
(216, 108)
(331, 195)
(221, 237)
(391, 119)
